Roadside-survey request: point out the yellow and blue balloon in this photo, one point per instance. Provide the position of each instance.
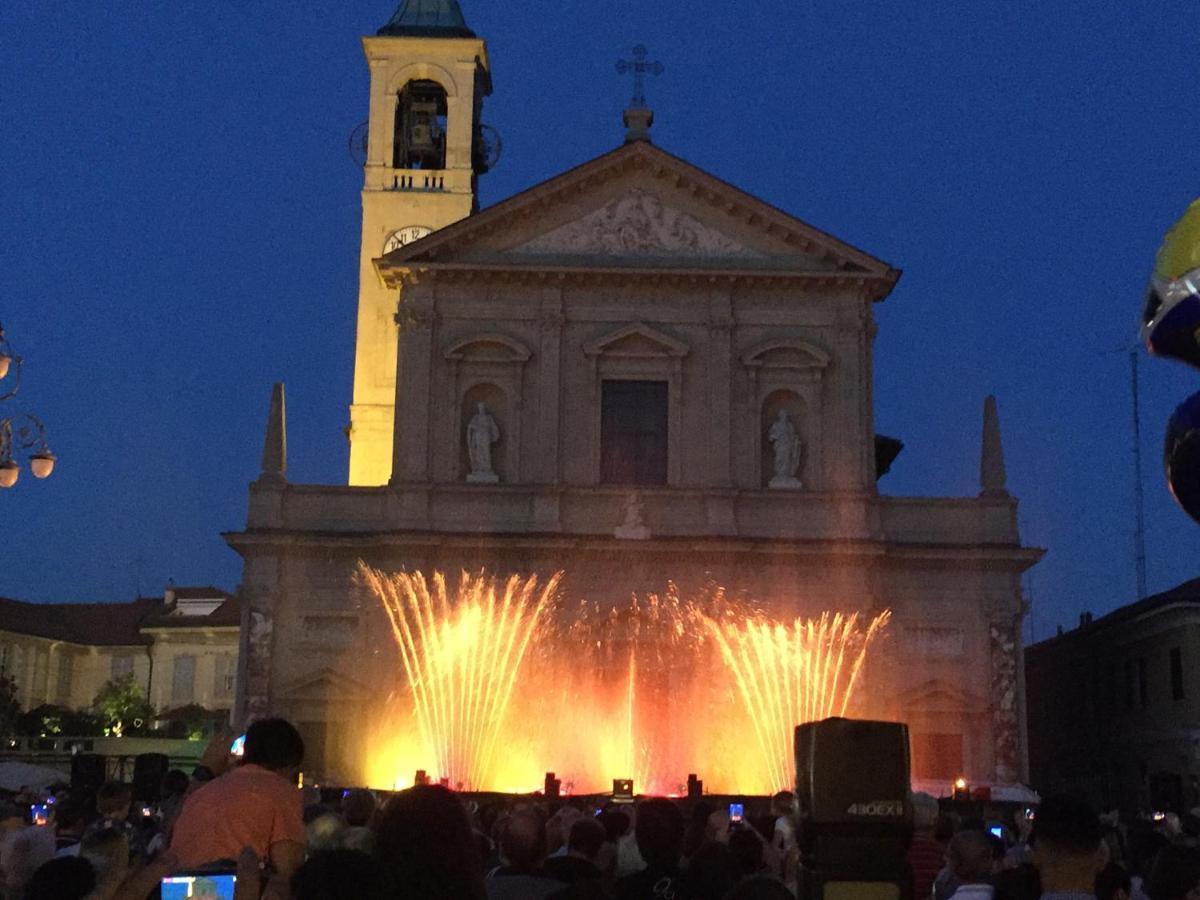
(1171, 328)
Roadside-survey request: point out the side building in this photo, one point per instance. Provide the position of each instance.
(181, 649)
(1114, 705)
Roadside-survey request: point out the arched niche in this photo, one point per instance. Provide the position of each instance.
(472, 361)
(496, 401)
(791, 403)
(794, 367)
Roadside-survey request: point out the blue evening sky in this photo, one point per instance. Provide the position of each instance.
(180, 223)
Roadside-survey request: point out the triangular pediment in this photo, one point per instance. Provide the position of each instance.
(636, 340)
(638, 208)
(323, 685)
(936, 695)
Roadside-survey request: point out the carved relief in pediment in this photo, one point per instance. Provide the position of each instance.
(637, 224)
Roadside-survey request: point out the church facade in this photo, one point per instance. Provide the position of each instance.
(634, 373)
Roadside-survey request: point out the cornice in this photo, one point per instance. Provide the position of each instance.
(875, 287)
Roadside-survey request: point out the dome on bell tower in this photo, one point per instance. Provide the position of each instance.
(427, 18)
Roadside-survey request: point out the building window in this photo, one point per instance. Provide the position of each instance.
(122, 666)
(633, 432)
(1176, 673)
(224, 673)
(1143, 689)
(1129, 684)
(183, 681)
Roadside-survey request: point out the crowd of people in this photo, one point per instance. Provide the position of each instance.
(1061, 849)
(247, 817)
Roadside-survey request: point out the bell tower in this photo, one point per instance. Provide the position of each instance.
(425, 149)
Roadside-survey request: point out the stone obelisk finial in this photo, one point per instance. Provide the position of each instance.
(992, 477)
(274, 455)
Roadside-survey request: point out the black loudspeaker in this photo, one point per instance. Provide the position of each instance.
(148, 772)
(88, 771)
(852, 786)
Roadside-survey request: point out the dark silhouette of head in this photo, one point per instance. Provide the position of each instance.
(1066, 825)
(697, 827)
(523, 840)
(1113, 883)
(783, 804)
(970, 857)
(1175, 873)
(175, 783)
(71, 814)
(68, 878)
(338, 875)
(1020, 883)
(615, 823)
(659, 833)
(1066, 842)
(358, 807)
(274, 744)
(424, 843)
(711, 871)
(114, 799)
(747, 850)
(586, 838)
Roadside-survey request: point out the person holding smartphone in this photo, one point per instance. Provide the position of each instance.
(255, 805)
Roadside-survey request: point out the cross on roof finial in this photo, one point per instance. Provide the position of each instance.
(639, 66)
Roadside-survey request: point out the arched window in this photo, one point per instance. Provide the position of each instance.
(420, 136)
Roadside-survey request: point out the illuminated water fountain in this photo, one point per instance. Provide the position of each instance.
(503, 683)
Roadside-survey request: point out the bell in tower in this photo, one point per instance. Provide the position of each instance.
(420, 135)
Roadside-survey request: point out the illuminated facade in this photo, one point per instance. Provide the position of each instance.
(181, 649)
(678, 378)
(424, 151)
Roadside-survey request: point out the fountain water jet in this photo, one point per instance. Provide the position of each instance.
(461, 658)
(791, 674)
(504, 683)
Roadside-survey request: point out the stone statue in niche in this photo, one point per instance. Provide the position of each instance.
(482, 432)
(788, 447)
(633, 527)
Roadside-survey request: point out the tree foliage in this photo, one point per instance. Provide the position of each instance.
(123, 707)
(49, 720)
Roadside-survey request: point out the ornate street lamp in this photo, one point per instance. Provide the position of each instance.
(22, 432)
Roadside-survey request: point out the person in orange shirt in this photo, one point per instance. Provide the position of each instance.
(255, 805)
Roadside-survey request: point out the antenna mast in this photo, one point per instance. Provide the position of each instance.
(1139, 498)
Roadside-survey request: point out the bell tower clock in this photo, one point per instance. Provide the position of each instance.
(425, 148)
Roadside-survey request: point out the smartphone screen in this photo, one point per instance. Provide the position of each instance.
(39, 813)
(735, 812)
(997, 831)
(238, 747)
(206, 884)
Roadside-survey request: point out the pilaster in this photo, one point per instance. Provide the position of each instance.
(719, 374)
(413, 385)
(549, 387)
